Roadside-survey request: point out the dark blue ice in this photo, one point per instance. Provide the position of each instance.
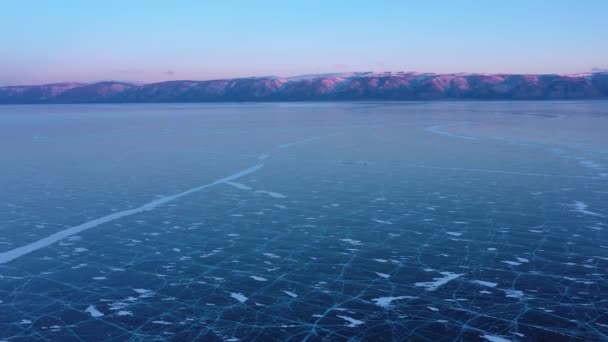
(328, 221)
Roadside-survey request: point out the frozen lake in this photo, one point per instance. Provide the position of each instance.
(323, 221)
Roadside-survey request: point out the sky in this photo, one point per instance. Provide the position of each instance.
(44, 41)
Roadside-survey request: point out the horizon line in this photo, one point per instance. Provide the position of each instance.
(319, 75)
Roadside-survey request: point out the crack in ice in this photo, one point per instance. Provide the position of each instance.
(439, 281)
(437, 130)
(53, 238)
(581, 207)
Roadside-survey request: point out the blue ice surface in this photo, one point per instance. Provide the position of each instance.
(304, 221)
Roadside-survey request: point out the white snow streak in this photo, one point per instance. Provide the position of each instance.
(53, 238)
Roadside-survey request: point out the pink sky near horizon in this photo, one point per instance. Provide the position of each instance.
(153, 40)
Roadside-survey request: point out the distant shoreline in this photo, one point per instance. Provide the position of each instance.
(381, 87)
(362, 102)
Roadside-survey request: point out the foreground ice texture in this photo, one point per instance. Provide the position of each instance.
(331, 221)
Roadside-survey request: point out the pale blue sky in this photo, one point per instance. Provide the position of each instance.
(146, 40)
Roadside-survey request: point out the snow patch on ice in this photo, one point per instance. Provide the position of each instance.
(351, 321)
(92, 310)
(439, 281)
(239, 186)
(352, 242)
(385, 302)
(238, 296)
(271, 194)
(494, 338)
(290, 294)
(581, 207)
(485, 283)
(512, 263)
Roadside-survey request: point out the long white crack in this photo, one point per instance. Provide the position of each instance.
(53, 238)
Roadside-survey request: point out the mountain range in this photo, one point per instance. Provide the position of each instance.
(396, 86)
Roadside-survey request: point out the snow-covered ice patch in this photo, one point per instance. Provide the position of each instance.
(290, 294)
(239, 186)
(512, 263)
(271, 194)
(238, 296)
(514, 293)
(581, 207)
(485, 283)
(590, 164)
(352, 242)
(271, 255)
(92, 310)
(382, 221)
(351, 321)
(385, 302)
(494, 338)
(439, 281)
(144, 292)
